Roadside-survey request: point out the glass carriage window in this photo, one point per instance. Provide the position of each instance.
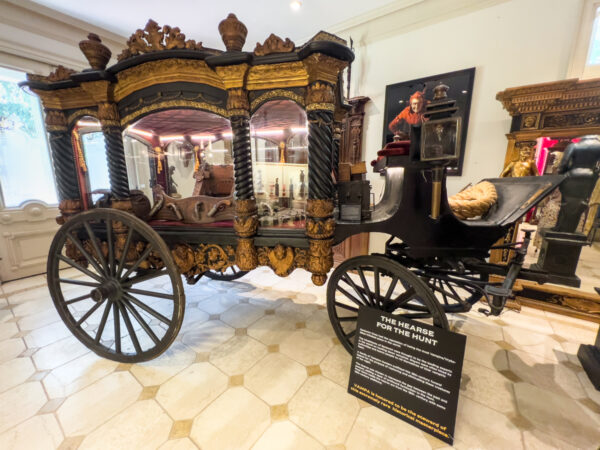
(25, 170)
(91, 153)
(280, 163)
(139, 163)
(189, 154)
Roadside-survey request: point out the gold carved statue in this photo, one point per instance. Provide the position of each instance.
(523, 167)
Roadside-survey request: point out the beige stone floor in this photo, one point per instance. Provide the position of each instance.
(256, 365)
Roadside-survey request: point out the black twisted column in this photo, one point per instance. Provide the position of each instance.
(320, 224)
(246, 217)
(335, 157)
(65, 167)
(115, 153)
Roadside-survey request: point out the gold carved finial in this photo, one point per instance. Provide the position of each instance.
(61, 73)
(274, 44)
(233, 32)
(95, 51)
(154, 38)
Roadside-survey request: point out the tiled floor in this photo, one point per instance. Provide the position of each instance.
(256, 365)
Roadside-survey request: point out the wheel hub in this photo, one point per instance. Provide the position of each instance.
(110, 289)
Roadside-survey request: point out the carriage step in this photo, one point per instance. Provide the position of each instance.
(497, 291)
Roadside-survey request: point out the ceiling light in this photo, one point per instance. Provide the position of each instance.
(295, 5)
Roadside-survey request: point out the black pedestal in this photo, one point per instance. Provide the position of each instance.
(589, 356)
(559, 256)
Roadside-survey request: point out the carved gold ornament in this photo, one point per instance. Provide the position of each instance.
(165, 71)
(214, 257)
(245, 226)
(80, 158)
(237, 99)
(245, 254)
(153, 38)
(60, 74)
(319, 208)
(270, 76)
(276, 93)
(323, 68)
(232, 76)
(184, 257)
(68, 208)
(108, 115)
(55, 120)
(274, 44)
(319, 228)
(233, 32)
(245, 207)
(319, 93)
(320, 260)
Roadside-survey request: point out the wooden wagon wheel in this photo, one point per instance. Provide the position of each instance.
(380, 283)
(229, 274)
(110, 302)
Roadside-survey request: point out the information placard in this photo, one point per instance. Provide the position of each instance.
(408, 369)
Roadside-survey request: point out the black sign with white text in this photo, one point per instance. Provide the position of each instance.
(408, 369)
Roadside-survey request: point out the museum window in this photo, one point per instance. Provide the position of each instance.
(25, 169)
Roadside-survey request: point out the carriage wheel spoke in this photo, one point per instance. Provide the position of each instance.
(350, 297)
(140, 260)
(78, 282)
(77, 299)
(141, 321)
(130, 330)
(148, 309)
(403, 298)
(73, 264)
(351, 283)
(89, 313)
(123, 257)
(376, 277)
(96, 247)
(348, 319)
(150, 293)
(352, 333)
(86, 255)
(102, 322)
(145, 277)
(390, 290)
(111, 249)
(117, 323)
(348, 307)
(365, 285)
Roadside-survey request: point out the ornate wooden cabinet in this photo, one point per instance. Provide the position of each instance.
(349, 132)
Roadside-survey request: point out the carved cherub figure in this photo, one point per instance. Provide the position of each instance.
(524, 167)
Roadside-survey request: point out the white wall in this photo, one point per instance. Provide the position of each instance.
(510, 43)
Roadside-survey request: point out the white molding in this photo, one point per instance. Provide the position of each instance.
(403, 16)
(581, 46)
(36, 33)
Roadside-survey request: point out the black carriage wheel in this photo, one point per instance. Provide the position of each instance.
(229, 274)
(457, 294)
(110, 312)
(380, 283)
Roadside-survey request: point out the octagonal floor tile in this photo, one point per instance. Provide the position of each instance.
(286, 436)
(8, 329)
(233, 421)
(275, 378)
(20, 403)
(336, 365)
(474, 425)
(238, 354)
(219, 303)
(156, 371)
(47, 335)
(319, 322)
(306, 346)
(535, 343)
(190, 391)
(485, 352)
(10, 349)
(324, 409)
(242, 316)
(77, 374)
(38, 320)
(58, 353)
(558, 415)
(295, 312)
(93, 405)
(143, 425)
(178, 444)
(207, 336)
(488, 387)
(271, 329)
(14, 372)
(40, 433)
(378, 430)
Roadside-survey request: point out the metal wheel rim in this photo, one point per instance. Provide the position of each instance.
(406, 280)
(229, 274)
(120, 306)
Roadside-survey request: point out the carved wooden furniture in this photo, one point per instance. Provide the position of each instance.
(560, 110)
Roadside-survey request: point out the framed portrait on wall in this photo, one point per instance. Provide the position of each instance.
(406, 102)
